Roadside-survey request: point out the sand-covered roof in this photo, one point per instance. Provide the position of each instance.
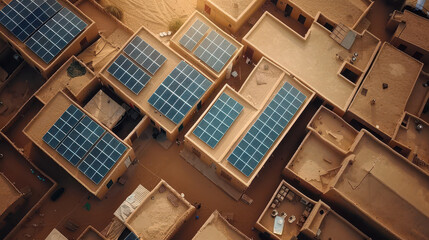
(348, 12)
(218, 228)
(382, 105)
(313, 58)
(160, 214)
(414, 30)
(9, 194)
(234, 8)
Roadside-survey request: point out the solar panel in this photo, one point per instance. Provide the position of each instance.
(179, 92)
(23, 17)
(145, 55)
(215, 51)
(63, 126)
(194, 34)
(102, 157)
(218, 120)
(129, 74)
(131, 236)
(78, 142)
(55, 35)
(267, 128)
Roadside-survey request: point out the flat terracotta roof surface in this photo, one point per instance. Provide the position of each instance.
(415, 30)
(255, 94)
(347, 12)
(157, 216)
(313, 58)
(218, 228)
(378, 182)
(228, 6)
(8, 193)
(43, 121)
(400, 72)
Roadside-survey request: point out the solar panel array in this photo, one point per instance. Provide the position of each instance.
(218, 120)
(55, 35)
(145, 55)
(215, 51)
(63, 126)
(194, 34)
(102, 158)
(129, 74)
(267, 128)
(80, 140)
(179, 92)
(131, 236)
(84, 143)
(23, 17)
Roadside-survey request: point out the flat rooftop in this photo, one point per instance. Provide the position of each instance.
(400, 72)
(141, 100)
(218, 228)
(413, 30)
(234, 8)
(378, 184)
(9, 194)
(255, 94)
(348, 12)
(160, 214)
(313, 58)
(45, 119)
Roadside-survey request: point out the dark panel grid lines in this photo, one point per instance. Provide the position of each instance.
(129, 74)
(23, 17)
(102, 157)
(218, 120)
(179, 92)
(63, 126)
(80, 140)
(194, 34)
(55, 35)
(145, 55)
(131, 236)
(267, 128)
(215, 51)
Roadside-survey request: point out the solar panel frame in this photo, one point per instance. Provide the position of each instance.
(102, 157)
(266, 129)
(24, 17)
(218, 120)
(145, 55)
(194, 34)
(129, 74)
(55, 35)
(179, 92)
(80, 140)
(62, 127)
(131, 236)
(215, 51)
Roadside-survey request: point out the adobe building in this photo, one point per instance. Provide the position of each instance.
(348, 12)
(157, 83)
(160, 215)
(240, 130)
(292, 215)
(363, 177)
(44, 43)
(321, 59)
(229, 14)
(410, 34)
(382, 98)
(218, 228)
(11, 198)
(206, 46)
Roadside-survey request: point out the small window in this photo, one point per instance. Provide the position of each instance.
(180, 127)
(288, 10)
(199, 105)
(329, 27)
(109, 184)
(417, 55)
(402, 47)
(274, 1)
(207, 9)
(301, 19)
